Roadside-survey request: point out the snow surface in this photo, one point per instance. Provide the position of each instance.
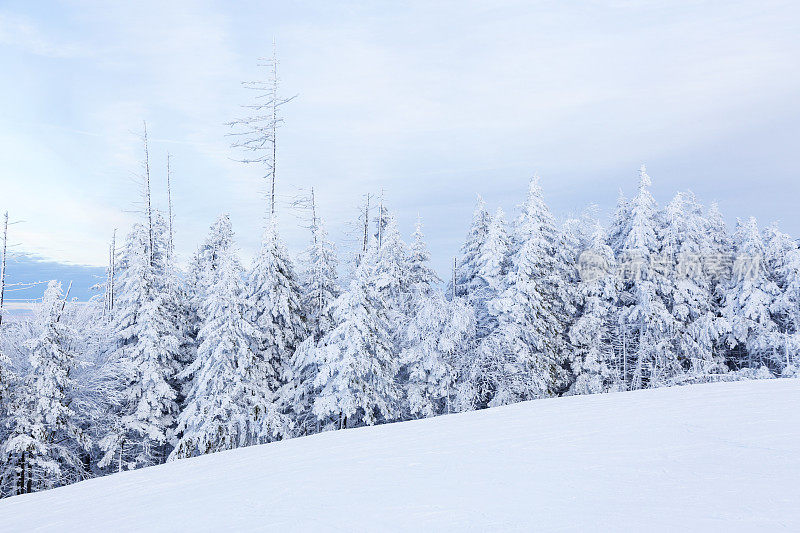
(722, 456)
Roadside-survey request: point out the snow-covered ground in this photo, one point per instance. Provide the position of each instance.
(723, 456)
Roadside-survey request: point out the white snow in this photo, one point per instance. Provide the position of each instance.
(723, 456)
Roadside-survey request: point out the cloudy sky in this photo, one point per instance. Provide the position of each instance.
(431, 102)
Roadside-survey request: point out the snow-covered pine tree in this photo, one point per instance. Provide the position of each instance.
(8, 476)
(594, 364)
(437, 334)
(320, 290)
(320, 283)
(619, 226)
(390, 271)
(689, 289)
(276, 308)
(421, 277)
(230, 402)
(572, 238)
(150, 353)
(782, 258)
(437, 340)
(467, 264)
(358, 367)
(750, 295)
(492, 270)
(718, 258)
(478, 381)
(44, 442)
(527, 343)
(646, 325)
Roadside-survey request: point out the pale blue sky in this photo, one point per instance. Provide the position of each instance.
(431, 101)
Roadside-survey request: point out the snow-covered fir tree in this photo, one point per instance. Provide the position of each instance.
(525, 346)
(389, 270)
(149, 354)
(492, 270)
(782, 258)
(438, 334)
(689, 291)
(593, 362)
(749, 297)
(436, 351)
(646, 325)
(230, 402)
(44, 443)
(421, 277)
(320, 290)
(468, 282)
(358, 366)
(275, 306)
(320, 280)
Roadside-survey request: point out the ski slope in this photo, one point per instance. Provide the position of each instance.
(723, 456)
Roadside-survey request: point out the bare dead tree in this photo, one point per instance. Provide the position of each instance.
(169, 207)
(366, 224)
(380, 222)
(256, 134)
(64, 302)
(3, 265)
(112, 259)
(314, 214)
(147, 194)
(455, 263)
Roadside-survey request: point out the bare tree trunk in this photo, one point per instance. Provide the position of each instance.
(64, 302)
(275, 104)
(113, 265)
(313, 215)
(380, 222)
(21, 480)
(169, 207)
(147, 192)
(366, 225)
(3, 265)
(454, 279)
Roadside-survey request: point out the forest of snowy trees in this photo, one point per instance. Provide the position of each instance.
(182, 358)
(177, 362)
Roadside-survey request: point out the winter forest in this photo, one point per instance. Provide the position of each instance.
(179, 357)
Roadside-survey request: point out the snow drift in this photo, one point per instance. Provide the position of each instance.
(722, 456)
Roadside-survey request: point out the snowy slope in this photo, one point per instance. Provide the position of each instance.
(724, 456)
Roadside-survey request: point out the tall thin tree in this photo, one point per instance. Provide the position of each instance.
(257, 133)
(3, 266)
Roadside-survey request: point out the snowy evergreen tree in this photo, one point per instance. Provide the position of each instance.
(646, 325)
(275, 303)
(438, 333)
(593, 361)
(689, 291)
(748, 299)
(389, 272)
(525, 345)
(783, 264)
(321, 285)
(320, 290)
(437, 338)
(150, 353)
(467, 279)
(492, 268)
(619, 227)
(230, 402)
(421, 277)
(44, 442)
(358, 366)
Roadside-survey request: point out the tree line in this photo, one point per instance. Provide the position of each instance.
(177, 362)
